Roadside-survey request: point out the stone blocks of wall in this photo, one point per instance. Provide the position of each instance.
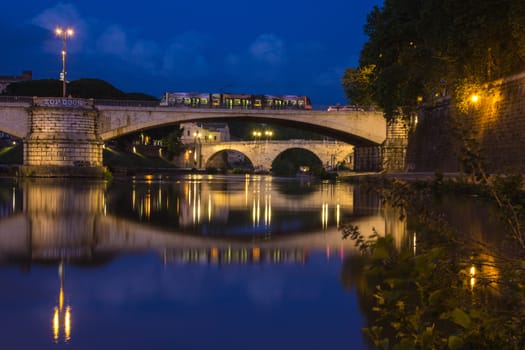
(496, 123)
(367, 158)
(395, 145)
(63, 137)
(433, 145)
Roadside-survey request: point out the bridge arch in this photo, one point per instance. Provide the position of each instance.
(306, 161)
(236, 159)
(263, 153)
(359, 128)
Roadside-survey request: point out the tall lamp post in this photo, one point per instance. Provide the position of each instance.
(64, 34)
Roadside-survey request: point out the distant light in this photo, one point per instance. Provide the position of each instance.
(474, 98)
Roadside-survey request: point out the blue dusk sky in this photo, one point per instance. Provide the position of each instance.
(267, 47)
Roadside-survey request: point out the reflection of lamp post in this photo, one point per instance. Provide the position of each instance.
(59, 312)
(63, 33)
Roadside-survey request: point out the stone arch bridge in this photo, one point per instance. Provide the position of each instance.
(65, 134)
(262, 153)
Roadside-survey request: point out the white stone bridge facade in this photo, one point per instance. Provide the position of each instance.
(262, 153)
(64, 133)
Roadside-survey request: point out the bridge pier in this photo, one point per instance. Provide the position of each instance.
(63, 139)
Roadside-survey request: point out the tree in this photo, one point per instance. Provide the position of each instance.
(423, 49)
(358, 85)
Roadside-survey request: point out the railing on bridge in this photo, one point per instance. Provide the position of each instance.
(16, 99)
(126, 103)
(145, 103)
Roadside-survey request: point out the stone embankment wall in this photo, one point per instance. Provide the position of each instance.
(496, 122)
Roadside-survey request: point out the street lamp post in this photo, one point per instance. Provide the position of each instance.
(64, 34)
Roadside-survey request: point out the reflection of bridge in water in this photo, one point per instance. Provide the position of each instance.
(72, 223)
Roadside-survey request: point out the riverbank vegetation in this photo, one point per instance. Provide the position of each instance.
(444, 288)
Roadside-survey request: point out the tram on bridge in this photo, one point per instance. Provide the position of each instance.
(234, 101)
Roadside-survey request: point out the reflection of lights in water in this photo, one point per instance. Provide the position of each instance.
(209, 207)
(472, 276)
(256, 211)
(195, 202)
(324, 215)
(147, 204)
(414, 243)
(60, 313)
(14, 199)
(133, 197)
(199, 210)
(338, 214)
(246, 189)
(104, 204)
(267, 210)
(256, 254)
(268, 204)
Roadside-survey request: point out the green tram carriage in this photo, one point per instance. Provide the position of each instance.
(234, 101)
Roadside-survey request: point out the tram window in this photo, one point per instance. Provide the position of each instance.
(257, 103)
(237, 101)
(204, 101)
(187, 101)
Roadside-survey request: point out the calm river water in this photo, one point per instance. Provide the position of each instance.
(197, 262)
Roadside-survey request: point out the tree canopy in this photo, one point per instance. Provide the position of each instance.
(418, 50)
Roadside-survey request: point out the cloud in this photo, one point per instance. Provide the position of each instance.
(186, 56)
(268, 48)
(113, 41)
(61, 15)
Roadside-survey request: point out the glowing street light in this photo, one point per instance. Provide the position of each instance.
(64, 34)
(256, 134)
(268, 134)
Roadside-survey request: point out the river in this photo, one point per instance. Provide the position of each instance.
(192, 262)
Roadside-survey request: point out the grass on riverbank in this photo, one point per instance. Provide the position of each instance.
(13, 155)
(118, 159)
